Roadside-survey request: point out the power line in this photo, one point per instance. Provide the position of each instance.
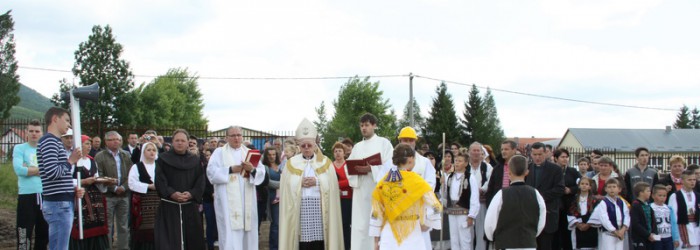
(387, 76)
(546, 96)
(236, 78)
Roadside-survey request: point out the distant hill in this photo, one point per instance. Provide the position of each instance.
(31, 105)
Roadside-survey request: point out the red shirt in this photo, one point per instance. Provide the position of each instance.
(343, 184)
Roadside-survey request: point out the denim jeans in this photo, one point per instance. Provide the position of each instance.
(210, 216)
(59, 216)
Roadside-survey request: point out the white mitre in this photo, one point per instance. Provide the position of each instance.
(306, 130)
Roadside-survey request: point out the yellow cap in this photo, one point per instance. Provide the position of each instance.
(408, 132)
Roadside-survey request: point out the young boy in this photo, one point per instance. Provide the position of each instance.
(666, 224)
(462, 204)
(517, 214)
(686, 205)
(642, 219)
(613, 217)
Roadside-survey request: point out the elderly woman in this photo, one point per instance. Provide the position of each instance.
(310, 198)
(340, 150)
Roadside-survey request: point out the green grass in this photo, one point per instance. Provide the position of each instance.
(8, 186)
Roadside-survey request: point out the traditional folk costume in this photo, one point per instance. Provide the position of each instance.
(515, 217)
(94, 206)
(144, 203)
(235, 202)
(580, 212)
(401, 203)
(462, 203)
(363, 186)
(482, 174)
(666, 225)
(179, 225)
(310, 216)
(610, 215)
(687, 207)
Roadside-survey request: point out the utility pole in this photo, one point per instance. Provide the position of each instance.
(410, 100)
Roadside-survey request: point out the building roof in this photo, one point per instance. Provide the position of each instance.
(660, 140)
(522, 141)
(19, 132)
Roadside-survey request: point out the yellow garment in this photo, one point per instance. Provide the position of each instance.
(401, 203)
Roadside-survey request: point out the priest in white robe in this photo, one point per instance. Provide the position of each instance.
(235, 201)
(363, 185)
(310, 216)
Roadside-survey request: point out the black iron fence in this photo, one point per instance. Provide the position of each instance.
(626, 159)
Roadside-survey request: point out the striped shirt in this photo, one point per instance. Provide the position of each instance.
(54, 169)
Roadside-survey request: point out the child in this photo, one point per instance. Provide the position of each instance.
(665, 221)
(582, 235)
(517, 214)
(686, 205)
(462, 204)
(403, 205)
(613, 216)
(642, 219)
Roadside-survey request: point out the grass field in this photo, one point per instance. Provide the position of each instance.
(8, 187)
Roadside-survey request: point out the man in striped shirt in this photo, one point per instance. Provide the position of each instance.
(55, 169)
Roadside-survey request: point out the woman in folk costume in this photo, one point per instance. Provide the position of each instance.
(94, 205)
(310, 216)
(144, 198)
(403, 205)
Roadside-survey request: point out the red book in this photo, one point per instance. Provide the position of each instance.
(373, 160)
(253, 157)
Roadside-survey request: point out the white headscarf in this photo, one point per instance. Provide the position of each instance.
(143, 151)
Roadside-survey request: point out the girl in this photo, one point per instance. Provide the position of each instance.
(582, 235)
(144, 198)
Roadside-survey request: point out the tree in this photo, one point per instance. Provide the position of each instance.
(695, 118)
(64, 86)
(473, 127)
(170, 100)
(356, 97)
(418, 120)
(322, 122)
(98, 61)
(492, 124)
(683, 118)
(442, 118)
(9, 80)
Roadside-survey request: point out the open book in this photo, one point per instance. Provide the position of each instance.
(373, 160)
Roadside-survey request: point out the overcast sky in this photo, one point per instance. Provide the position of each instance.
(637, 52)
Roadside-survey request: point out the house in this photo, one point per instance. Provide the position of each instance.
(9, 139)
(621, 143)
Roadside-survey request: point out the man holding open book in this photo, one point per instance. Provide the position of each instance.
(364, 183)
(234, 171)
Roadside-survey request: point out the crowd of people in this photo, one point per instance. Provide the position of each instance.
(150, 194)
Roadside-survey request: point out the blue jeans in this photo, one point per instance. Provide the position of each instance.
(274, 224)
(59, 216)
(210, 216)
(664, 244)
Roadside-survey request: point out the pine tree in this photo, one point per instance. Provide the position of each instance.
(683, 118)
(418, 120)
(322, 120)
(442, 118)
(492, 124)
(695, 118)
(9, 80)
(474, 118)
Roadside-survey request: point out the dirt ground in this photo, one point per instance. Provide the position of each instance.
(8, 242)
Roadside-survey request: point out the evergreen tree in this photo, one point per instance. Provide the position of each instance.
(492, 124)
(695, 118)
(98, 60)
(322, 120)
(474, 118)
(418, 120)
(683, 118)
(442, 119)
(9, 80)
(356, 97)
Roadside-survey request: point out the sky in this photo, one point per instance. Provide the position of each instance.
(642, 53)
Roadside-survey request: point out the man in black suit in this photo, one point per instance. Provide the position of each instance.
(548, 179)
(496, 182)
(133, 148)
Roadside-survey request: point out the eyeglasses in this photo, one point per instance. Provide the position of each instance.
(306, 145)
(235, 135)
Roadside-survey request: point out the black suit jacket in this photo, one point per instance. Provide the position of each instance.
(136, 155)
(551, 187)
(495, 183)
(638, 223)
(571, 177)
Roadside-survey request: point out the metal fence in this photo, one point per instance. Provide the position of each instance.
(626, 159)
(14, 132)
